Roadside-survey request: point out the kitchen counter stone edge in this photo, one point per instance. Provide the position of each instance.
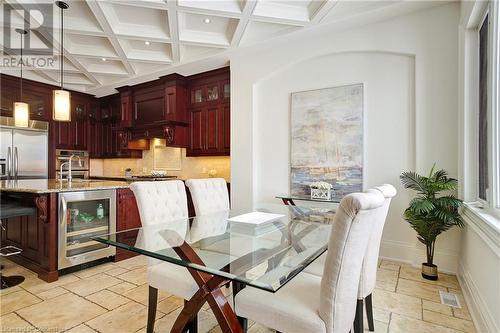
(41, 186)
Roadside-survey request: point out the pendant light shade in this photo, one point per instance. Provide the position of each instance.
(21, 109)
(62, 111)
(21, 114)
(61, 98)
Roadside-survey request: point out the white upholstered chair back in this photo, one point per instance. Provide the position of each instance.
(209, 195)
(346, 249)
(370, 263)
(161, 202)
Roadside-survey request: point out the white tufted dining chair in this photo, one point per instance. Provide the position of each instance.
(370, 262)
(160, 202)
(209, 195)
(327, 303)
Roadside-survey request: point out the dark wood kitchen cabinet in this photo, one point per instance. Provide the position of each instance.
(36, 234)
(108, 139)
(73, 134)
(37, 95)
(209, 112)
(148, 106)
(126, 108)
(10, 94)
(209, 131)
(127, 217)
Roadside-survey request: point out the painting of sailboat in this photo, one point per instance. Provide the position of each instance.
(327, 139)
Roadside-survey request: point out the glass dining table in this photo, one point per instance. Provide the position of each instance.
(263, 248)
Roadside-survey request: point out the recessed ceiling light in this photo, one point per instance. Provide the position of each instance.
(103, 59)
(147, 43)
(207, 20)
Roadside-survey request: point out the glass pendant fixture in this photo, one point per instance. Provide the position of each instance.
(21, 109)
(61, 97)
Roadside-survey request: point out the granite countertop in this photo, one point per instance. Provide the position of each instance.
(54, 185)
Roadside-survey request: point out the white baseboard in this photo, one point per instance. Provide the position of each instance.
(411, 254)
(481, 316)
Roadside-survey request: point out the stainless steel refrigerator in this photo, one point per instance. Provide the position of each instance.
(24, 150)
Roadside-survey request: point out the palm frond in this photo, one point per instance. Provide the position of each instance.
(414, 181)
(421, 205)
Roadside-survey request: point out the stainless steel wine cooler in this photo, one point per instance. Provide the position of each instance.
(83, 215)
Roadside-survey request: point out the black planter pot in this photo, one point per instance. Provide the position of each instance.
(429, 271)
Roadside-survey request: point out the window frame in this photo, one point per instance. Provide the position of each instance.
(492, 205)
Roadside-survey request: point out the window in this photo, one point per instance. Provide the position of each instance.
(483, 112)
(486, 115)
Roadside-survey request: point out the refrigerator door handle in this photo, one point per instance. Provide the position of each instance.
(9, 162)
(16, 160)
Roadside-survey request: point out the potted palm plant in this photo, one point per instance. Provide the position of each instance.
(433, 211)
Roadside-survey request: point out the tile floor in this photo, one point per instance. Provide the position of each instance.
(113, 298)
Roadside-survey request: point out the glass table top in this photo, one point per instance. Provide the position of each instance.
(265, 255)
(307, 198)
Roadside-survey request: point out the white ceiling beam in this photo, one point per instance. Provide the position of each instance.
(46, 37)
(173, 26)
(325, 8)
(106, 27)
(208, 12)
(243, 23)
(277, 20)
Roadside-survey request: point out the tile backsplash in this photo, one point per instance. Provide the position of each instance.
(190, 167)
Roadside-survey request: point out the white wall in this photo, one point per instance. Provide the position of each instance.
(409, 68)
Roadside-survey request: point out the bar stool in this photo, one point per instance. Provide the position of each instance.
(9, 210)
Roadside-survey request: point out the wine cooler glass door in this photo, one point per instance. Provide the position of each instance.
(84, 215)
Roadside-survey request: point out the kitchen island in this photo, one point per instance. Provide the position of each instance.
(38, 235)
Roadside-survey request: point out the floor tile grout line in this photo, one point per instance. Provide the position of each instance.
(389, 322)
(456, 329)
(26, 320)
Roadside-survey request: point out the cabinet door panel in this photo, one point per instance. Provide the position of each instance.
(127, 217)
(39, 102)
(211, 129)
(30, 248)
(13, 231)
(197, 131)
(224, 129)
(10, 93)
(62, 135)
(148, 108)
(125, 108)
(170, 103)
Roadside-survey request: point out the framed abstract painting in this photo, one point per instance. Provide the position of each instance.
(327, 139)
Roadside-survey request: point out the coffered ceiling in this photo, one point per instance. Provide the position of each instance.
(110, 43)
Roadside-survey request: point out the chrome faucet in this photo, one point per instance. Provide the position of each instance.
(69, 163)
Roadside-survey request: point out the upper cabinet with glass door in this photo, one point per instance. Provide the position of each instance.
(212, 92)
(210, 87)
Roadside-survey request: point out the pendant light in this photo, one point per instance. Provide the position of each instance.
(21, 109)
(61, 106)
